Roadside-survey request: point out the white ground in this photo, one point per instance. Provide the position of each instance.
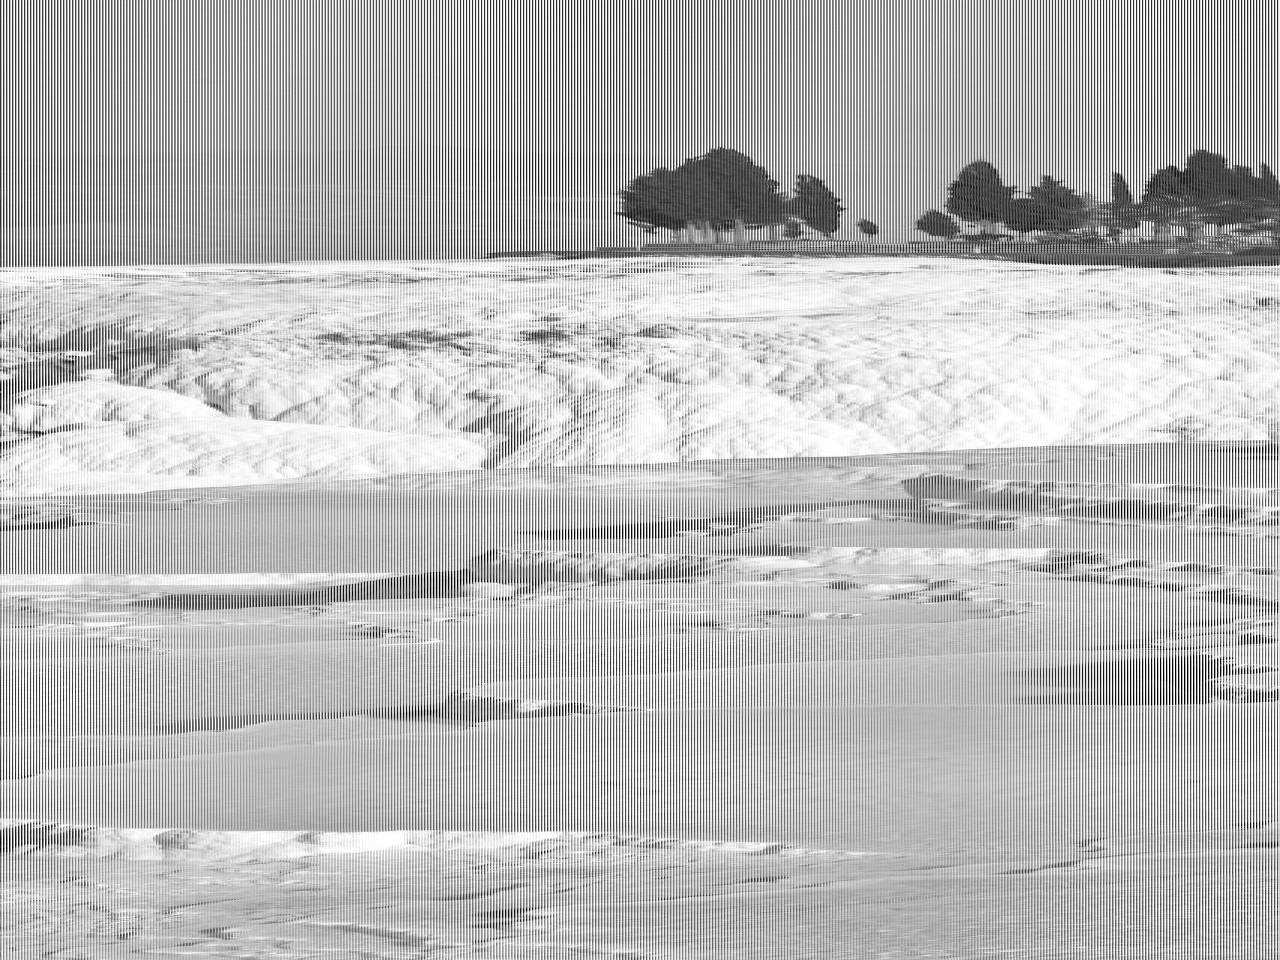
(444, 648)
(461, 364)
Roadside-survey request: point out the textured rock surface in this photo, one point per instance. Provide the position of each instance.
(200, 451)
(365, 686)
(795, 358)
(89, 401)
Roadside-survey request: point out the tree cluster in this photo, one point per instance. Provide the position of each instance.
(1205, 192)
(726, 191)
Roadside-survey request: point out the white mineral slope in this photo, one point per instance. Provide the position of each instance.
(989, 679)
(86, 841)
(604, 522)
(580, 362)
(76, 583)
(983, 782)
(78, 402)
(916, 687)
(185, 452)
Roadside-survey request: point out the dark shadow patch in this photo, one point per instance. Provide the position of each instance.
(1065, 864)
(240, 721)
(395, 936)
(40, 835)
(480, 895)
(110, 346)
(660, 529)
(503, 423)
(403, 340)
(547, 336)
(456, 710)
(1171, 681)
(63, 523)
(445, 583)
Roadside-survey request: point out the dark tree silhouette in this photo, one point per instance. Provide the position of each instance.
(937, 224)
(977, 195)
(1209, 186)
(1208, 192)
(646, 202)
(1254, 207)
(1064, 209)
(816, 205)
(666, 201)
(1026, 214)
(1162, 199)
(1266, 216)
(1121, 195)
(1270, 185)
(725, 189)
(698, 196)
(1123, 215)
(1241, 193)
(1243, 199)
(750, 193)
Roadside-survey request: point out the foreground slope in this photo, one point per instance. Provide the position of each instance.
(303, 659)
(724, 709)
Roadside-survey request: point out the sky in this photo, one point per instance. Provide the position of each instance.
(268, 130)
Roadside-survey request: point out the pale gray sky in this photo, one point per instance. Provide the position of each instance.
(226, 130)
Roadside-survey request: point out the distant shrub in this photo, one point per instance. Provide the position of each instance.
(660, 330)
(545, 336)
(401, 340)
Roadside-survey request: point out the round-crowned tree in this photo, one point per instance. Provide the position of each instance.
(937, 224)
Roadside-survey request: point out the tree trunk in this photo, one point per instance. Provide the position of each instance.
(739, 230)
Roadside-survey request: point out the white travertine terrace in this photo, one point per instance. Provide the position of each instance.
(663, 610)
(466, 363)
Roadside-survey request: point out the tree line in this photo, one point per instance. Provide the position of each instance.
(725, 191)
